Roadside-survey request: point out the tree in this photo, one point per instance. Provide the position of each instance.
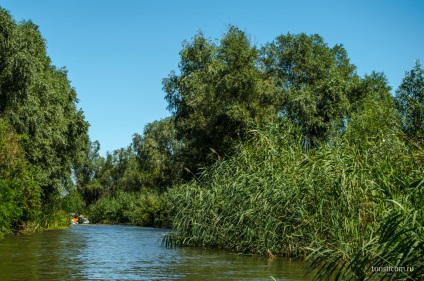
(317, 83)
(37, 100)
(217, 96)
(158, 154)
(87, 173)
(375, 125)
(410, 102)
(126, 173)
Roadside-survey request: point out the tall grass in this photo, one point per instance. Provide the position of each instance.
(275, 198)
(394, 252)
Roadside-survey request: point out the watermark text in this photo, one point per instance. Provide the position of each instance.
(392, 269)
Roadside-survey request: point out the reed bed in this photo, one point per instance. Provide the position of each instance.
(273, 197)
(395, 251)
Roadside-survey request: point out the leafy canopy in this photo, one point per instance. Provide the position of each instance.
(37, 100)
(317, 83)
(218, 93)
(410, 102)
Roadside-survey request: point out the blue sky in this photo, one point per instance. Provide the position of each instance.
(117, 52)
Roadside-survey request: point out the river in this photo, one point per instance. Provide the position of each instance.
(115, 252)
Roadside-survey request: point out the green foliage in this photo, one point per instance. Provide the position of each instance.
(410, 102)
(88, 172)
(121, 171)
(38, 101)
(239, 197)
(49, 136)
(158, 154)
(317, 83)
(100, 176)
(19, 190)
(52, 217)
(375, 126)
(73, 203)
(127, 208)
(272, 196)
(217, 95)
(121, 188)
(393, 252)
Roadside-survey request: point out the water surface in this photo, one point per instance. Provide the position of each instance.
(106, 252)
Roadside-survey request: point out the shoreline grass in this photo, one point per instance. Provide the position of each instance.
(275, 198)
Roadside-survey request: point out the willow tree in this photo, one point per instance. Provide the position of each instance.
(158, 154)
(317, 83)
(37, 100)
(218, 93)
(410, 102)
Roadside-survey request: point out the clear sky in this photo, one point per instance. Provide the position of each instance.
(117, 52)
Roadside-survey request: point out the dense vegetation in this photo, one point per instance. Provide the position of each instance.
(331, 169)
(275, 150)
(43, 134)
(126, 185)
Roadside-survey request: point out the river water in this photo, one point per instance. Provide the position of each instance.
(106, 252)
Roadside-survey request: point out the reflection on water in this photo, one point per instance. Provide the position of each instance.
(105, 252)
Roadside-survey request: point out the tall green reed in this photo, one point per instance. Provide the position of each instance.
(394, 252)
(275, 198)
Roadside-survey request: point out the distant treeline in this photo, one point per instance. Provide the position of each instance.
(280, 149)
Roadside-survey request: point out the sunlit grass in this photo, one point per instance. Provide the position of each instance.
(394, 252)
(275, 198)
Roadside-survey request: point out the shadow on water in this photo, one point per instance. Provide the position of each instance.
(105, 252)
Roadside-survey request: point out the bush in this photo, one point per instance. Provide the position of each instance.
(127, 208)
(19, 190)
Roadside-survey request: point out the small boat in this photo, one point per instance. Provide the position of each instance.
(79, 220)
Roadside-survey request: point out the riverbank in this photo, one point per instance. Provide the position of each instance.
(275, 198)
(53, 221)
